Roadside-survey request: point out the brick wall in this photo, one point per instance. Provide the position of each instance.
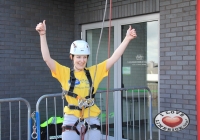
(23, 72)
(88, 11)
(177, 63)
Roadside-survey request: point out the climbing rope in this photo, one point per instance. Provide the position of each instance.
(108, 79)
(97, 52)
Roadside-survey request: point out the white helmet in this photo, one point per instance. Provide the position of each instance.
(80, 47)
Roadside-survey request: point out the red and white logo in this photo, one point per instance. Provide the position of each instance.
(171, 120)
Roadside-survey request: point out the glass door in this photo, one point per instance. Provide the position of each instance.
(92, 37)
(139, 66)
(140, 69)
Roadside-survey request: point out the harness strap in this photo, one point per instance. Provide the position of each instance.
(94, 126)
(72, 94)
(68, 127)
(73, 83)
(73, 128)
(89, 79)
(73, 107)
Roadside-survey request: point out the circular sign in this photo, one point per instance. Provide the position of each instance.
(171, 120)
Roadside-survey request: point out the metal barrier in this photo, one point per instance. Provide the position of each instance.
(10, 100)
(135, 115)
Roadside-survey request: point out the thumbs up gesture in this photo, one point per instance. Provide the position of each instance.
(131, 33)
(41, 28)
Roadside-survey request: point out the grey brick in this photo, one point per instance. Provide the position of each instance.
(184, 82)
(182, 101)
(184, 23)
(192, 32)
(176, 77)
(182, 62)
(189, 18)
(177, 10)
(165, 12)
(192, 52)
(170, 53)
(170, 34)
(170, 44)
(176, 39)
(175, 106)
(170, 81)
(170, 72)
(189, 107)
(182, 53)
(189, 67)
(189, 58)
(192, 92)
(178, 19)
(192, 102)
(183, 43)
(164, 3)
(186, 28)
(170, 100)
(189, 87)
(177, 49)
(192, 63)
(164, 87)
(171, 16)
(193, 2)
(183, 33)
(184, 4)
(176, 86)
(189, 38)
(192, 72)
(188, 77)
(165, 39)
(165, 105)
(165, 30)
(171, 6)
(176, 67)
(165, 58)
(189, 47)
(192, 82)
(193, 112)
(178, 135)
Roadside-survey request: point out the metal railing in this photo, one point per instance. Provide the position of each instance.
(136, 108)
(8, 116)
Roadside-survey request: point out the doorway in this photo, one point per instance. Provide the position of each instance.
(139, 66)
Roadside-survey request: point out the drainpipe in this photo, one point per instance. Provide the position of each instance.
(198, 66)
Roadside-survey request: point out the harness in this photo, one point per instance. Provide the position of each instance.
(83, 103)
(84, 127)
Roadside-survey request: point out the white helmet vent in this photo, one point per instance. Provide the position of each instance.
(80, 47)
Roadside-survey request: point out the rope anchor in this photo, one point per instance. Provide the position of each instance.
(34, 134)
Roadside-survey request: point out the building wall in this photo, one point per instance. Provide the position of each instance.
(88, 11)
(23, 72)
(178, 63)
